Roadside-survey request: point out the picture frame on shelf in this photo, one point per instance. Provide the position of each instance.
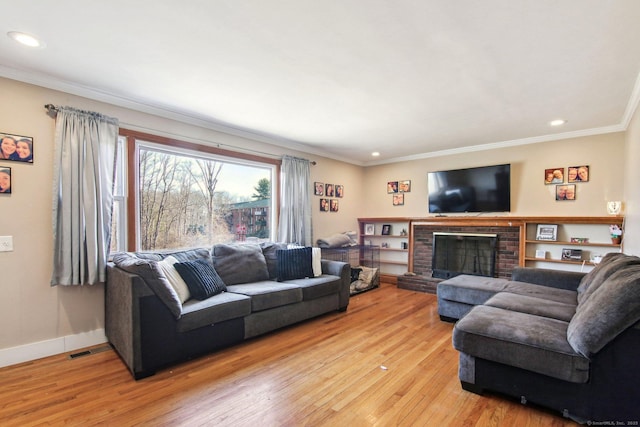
(547, 232)
(386, 229)
(369, 229)
(571, 254)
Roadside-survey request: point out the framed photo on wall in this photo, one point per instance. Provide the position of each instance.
(578, 173)
(392, 187)
(318, 188)
(404, 186)
(5, 180)
(18, 148)
(398, 199)
(554, 176)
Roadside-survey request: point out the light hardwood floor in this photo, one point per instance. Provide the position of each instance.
(387, 361)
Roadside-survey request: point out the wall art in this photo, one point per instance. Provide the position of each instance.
(17, 148)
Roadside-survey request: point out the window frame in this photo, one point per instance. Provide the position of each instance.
(132, 138)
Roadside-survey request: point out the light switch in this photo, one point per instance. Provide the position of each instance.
(6, 243)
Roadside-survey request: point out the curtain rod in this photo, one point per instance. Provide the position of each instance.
(52, 111)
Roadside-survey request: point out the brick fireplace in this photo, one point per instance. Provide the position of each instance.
(506, 256)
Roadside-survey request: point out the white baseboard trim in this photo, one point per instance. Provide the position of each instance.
(38, 350)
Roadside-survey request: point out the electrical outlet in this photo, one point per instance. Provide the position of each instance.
(6, 243)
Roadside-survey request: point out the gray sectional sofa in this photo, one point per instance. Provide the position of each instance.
(567, 341)
(152, 322)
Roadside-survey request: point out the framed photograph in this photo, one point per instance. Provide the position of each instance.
(334, 205)
(578, 173)
(404, 186)
(540, 254)
(5, 180)
(392, 187)
(572, 254)
(324, 205)
(318, 188)
(369, 229)
(386, 229)
(18, 148)
(554, 176)
(547, 232)
(398, 199)
(566, 192)
(329, 190)
(339, 190)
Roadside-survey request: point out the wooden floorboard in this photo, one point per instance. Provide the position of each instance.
(387, 361)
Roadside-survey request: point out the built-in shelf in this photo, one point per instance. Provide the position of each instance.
(547, 242)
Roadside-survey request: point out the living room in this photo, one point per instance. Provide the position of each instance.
(40, 320)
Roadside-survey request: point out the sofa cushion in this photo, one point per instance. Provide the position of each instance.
(269, 251)
(268, 294)
(526, 341)
(610, 263)
(174, 278)
(316, 287)
(564, 296)
(470, 289)
(532, 305)
(607, 312)
(239, 263)
(201, 278)
(295, 263)
(218, 308)
(153, 277)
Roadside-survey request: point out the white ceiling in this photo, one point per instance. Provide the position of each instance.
(343, 78)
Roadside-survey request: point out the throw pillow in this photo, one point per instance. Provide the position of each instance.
(269, 250)
(316, 261)
(294, 263)
(238, 264)
(174, 278)
(201, 278)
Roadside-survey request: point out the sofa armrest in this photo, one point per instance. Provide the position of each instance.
(342, 270)
(122, 314)
(569, 280)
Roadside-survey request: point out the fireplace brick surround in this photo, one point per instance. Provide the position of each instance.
(507, 252)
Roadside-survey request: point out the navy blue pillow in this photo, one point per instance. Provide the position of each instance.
(294, 263)
(201, 278)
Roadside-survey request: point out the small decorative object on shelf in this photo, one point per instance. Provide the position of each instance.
(540, 254)
(616, 234)
(579, 240)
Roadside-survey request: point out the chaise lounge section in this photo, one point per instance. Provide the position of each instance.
(566, 341)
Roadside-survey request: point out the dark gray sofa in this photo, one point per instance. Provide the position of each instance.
(566, 341)
(151, 327)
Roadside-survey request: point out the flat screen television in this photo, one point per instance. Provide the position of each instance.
(481, 189)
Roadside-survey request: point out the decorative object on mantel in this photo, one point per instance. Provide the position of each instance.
(616, 234)
(547, 232)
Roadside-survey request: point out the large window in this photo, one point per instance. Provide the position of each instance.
(189, 195)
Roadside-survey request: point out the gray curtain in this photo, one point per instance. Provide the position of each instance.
(295, 204)
(83, 179)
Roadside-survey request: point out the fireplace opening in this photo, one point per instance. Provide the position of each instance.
(462, 253)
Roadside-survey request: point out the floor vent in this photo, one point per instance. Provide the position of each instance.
(89, 352)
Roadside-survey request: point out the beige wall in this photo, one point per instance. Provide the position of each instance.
(529, 195)
(38, 320)
(631, 241)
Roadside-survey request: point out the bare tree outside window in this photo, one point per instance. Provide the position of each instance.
(187, 201)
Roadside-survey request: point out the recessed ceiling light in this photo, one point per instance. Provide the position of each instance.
(375, 154)
(25, 39)
(557, 122)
